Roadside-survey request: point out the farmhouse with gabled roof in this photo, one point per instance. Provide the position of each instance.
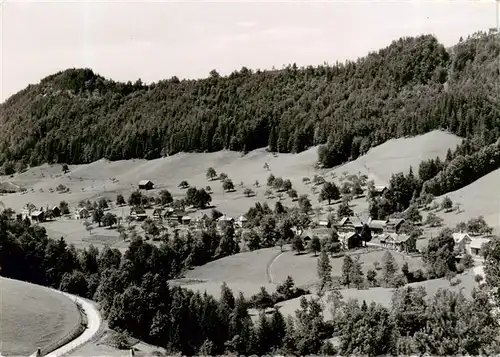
(146, 185)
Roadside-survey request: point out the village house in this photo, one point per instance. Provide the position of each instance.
(169, 211)
(476, 245)
(377, 226)
(392, 225)
(146, 185)
(82, 213)
(399, 242)
(242, 221)
(379, 190)
(138, 213)
(461, 241)
(223, 221)
(37, 216)
(324, 223)
(349, 224)
(157, 214)
(320, 232)
(186, 220)
(350, 240)
(56, 211)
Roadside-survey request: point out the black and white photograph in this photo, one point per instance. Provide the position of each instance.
(249, 178)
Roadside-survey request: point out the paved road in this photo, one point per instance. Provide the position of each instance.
(94, 322)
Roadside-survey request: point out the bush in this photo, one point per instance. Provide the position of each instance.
(467, 261)
(460, 268)
(478, 278)
(455, 281)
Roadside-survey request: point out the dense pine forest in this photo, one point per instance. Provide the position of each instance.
(410, 87)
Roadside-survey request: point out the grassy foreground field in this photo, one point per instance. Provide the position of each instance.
(34, 317)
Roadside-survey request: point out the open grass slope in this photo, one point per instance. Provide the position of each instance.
(480, 198)
(245, 272)
(34, 317)
(397, 155)
(106, 179)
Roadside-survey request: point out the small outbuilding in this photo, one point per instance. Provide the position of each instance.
(186, 220)
(146, 185)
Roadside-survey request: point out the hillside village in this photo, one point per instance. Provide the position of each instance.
(159, 213)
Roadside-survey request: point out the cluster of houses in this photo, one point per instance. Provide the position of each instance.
(349, 230)
(39, 215)
(173, 216)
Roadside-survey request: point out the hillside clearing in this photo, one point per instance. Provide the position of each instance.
(245, 272)
(34, 317)
(480, 198)
(107, 179)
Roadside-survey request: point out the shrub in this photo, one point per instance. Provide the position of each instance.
(455, 281)
(460, 268)
(478, 278)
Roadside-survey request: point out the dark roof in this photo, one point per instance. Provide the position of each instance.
(356, 222)
(397, 238)
(145, 182)
(395, 221)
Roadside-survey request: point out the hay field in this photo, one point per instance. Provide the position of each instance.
(34, 317)
(482, 197)
(245, 272)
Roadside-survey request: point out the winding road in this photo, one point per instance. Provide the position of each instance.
(94, 322)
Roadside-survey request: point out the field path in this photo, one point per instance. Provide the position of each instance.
(269, 268)
(94, 322)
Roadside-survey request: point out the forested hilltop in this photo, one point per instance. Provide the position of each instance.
(408, 88)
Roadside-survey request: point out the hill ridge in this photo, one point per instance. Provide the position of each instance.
(394, 92)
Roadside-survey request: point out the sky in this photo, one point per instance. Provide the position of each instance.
(153, 40)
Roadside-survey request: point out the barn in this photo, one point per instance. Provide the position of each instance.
(146, 185)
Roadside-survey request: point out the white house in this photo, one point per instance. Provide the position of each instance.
(461, 240)
(224, 220)
(242, 221)
(82, 213)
